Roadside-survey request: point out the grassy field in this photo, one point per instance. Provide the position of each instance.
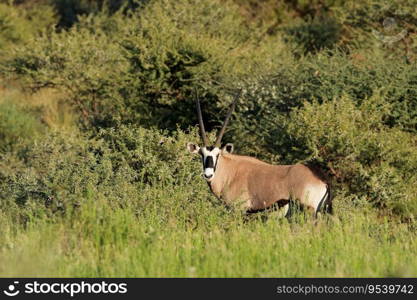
(105, 242)
(97, 106)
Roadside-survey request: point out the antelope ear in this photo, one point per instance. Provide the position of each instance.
(193, 148)
(228, 148)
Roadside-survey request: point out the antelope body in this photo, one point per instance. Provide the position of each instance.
(254, 185)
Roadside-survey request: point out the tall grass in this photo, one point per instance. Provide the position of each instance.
(101, 241)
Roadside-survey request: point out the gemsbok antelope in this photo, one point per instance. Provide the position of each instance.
(253, 185)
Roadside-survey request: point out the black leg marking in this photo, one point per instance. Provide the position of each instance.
(325, 204)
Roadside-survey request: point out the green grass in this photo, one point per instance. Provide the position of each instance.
(116, 242)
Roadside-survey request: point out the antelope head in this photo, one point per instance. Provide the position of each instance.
(210, 153)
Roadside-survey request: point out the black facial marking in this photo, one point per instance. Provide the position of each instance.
(210, 148)
(209, 162)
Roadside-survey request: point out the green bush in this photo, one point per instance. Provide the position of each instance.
(373, 161)
(69, 11)
(317, 24)
(314, 36)
(143, 68)
(18, 25)
(129, 167)
(17, 127)
(268, 100)
(85, 66)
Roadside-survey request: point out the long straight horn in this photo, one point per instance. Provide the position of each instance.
(200, 121)
(229, 113)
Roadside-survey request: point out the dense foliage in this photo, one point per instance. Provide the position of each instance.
(97, 104)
